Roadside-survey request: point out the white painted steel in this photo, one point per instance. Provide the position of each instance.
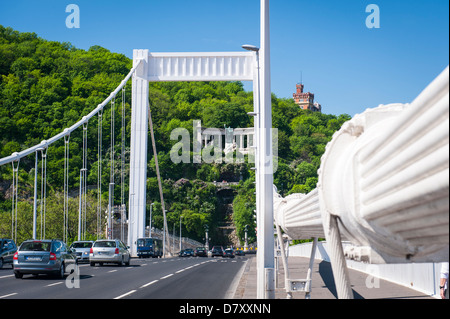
(385, 176)
(195, 66)
(264, 166)
(299, 215)
(200, 66)
(383, 185)
(138, 149)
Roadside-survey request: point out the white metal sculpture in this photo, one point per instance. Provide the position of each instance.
(234, 66)
(206, 66)
(200, 66)
(299, 215)
(383, 185)
(222, 66)
(385, 177)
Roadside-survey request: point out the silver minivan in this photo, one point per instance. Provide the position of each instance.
(109, 251)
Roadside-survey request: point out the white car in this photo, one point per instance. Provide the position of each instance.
(81, 250)
(109, 251)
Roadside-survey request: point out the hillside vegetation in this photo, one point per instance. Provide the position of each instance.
(46, 86)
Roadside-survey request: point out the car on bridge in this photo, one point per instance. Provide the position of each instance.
(81, 250)
(189, 252)
(200, 252)
(42, 257)
(7, 250)
(228, 253)
(109, 251)
(149, 247)
(239, 252)
(217, 251)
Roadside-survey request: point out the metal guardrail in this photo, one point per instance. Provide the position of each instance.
(175, 240)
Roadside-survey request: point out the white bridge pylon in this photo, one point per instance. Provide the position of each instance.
(165, 67)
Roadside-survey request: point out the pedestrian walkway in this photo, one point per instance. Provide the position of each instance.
(323, 286)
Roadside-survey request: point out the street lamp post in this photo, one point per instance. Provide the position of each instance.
(264, 162)
(164, 237)
(246, 238)
(173, 238)
(150, 222)
(266, 282)
(206, 238)
(180, 232)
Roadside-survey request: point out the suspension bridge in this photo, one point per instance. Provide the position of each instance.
(383, 182)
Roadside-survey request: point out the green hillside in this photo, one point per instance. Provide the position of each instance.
(46, 86)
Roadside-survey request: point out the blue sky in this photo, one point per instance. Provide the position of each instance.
(348, 66)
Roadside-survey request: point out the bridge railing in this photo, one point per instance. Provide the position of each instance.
(383, 185)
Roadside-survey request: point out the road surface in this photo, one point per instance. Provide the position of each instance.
(171, 278)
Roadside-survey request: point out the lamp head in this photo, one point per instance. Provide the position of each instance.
(250, 47)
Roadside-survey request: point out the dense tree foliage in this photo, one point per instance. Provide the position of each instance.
(47, 86)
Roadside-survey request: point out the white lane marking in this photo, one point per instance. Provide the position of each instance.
(127, 294)
(113, 270)
(167, 276)
(150, 283)
(170, 275)
(9, 295)
(6, 276)
(54, 284)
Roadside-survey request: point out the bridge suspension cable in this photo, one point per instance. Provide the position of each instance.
(43, 146)
(15, 186)
(155, 154)
(83, 188)
(66, 187)
(43, 191)
(18, 155)
(111, 176)
(122, 169)
(99, 173)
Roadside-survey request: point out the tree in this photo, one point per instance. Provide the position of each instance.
(47, 86)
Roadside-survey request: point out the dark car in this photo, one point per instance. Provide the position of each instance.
(42, 257)
(228, 253)
(7, 250)
(200, 252)
(239, 252)
(186, 253)
(217, 251)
